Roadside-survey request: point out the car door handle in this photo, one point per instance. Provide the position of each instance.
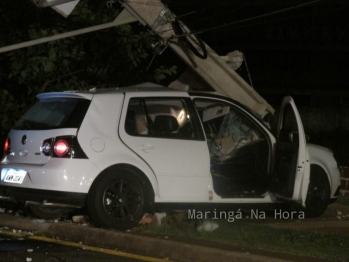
(146, 148)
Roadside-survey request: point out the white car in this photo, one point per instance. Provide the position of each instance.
(123, 152)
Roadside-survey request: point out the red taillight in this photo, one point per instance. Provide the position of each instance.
(61, 147)
(7, 146)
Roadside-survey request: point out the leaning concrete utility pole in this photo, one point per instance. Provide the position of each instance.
(211, 67)
(171, 32)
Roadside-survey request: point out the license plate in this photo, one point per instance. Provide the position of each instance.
(13, 175)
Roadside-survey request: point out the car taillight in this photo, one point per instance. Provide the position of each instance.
(61, 148)
(7, 147)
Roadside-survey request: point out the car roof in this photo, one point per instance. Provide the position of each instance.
(144, 87)
(88, 94)
(138, 88)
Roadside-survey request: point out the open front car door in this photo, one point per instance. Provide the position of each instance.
(291, 172)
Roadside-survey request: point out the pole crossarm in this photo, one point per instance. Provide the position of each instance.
(124, 18)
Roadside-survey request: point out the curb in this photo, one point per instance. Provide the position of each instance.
(128, 242)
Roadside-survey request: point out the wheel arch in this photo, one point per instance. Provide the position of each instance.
(319, 170)
(314, 163)
(119, 197)
(323, 157)
(319, 192)
(151, 182)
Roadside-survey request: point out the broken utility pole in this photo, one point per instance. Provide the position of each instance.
(173, 33)
(206, 63)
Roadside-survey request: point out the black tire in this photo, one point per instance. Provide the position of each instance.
(47, 212)
(119, 198)
(319, 191)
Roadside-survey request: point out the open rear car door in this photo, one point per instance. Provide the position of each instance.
(291, 172)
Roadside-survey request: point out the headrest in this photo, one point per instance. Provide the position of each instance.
(165, 124)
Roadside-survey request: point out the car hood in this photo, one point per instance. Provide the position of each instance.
(322, 156)
(314, 147)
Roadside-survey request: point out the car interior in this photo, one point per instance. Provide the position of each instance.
(239, 151)
(163, 118)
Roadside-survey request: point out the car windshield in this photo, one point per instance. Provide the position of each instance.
(53, 113)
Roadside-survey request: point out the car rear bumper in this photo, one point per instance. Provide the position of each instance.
(46, 197)
(66, 175)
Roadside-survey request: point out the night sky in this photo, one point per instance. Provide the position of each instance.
(302, 51)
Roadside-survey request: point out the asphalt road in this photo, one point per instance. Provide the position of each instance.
(17, 247)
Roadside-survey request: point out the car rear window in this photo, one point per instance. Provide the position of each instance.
(53, 113)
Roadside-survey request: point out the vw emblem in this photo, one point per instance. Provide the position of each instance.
(24, 139)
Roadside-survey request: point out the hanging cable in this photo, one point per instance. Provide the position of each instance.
(155, 3)
(247, 19)
(212, 6)
(248, 71)
(220, 13)
(178, 30)
(285, 19)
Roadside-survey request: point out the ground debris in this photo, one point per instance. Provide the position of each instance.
(79, 219)
(38, 221)
(342, 216)
(152, 219)
(208, 226)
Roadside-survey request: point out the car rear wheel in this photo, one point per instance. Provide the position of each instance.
(318, 193)
(118, 199)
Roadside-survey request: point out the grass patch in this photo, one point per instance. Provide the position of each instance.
(249, 234)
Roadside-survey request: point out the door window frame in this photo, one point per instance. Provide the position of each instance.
(194, 118)
(251, 118)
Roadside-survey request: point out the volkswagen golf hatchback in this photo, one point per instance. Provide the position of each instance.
(123, 152)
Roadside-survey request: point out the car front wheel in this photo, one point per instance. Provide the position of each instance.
(318, 193)
(118, 199)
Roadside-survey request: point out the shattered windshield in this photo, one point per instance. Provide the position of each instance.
(226, 127)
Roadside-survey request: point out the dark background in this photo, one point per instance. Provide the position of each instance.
(300, 51)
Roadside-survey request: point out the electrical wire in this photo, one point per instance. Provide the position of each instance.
(141, 2)
(248, 71)
(215, 5)
(247, 19)
(178, 29)
(222, 13)
(285, 19)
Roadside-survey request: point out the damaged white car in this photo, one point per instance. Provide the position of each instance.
(123, 152)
